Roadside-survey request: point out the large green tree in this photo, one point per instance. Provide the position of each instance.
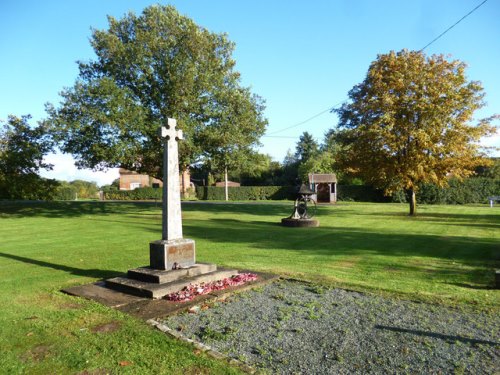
(22, 151)
(228, 143)
(411, 121)
(150, 67)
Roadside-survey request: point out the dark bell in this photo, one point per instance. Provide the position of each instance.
(304, 190)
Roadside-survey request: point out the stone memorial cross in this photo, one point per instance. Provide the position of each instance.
(172, 218)
(172, 251)
(172, 260)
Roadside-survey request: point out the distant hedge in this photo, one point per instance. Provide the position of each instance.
(65, 193)
(146, 193)
(243, 193)
(360, 193)
(472, 190)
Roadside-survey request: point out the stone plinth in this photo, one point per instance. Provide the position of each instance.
(150, 283)
(164, 254)
(151, 275)
(299, 223)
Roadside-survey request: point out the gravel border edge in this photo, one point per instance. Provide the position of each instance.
(200, 346)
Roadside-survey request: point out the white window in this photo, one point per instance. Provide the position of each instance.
(135, 185)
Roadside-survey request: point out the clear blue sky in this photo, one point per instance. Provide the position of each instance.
(301, 56)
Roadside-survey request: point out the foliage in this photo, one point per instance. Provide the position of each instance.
(22, 149)
(77, 189)
(263, 171)
(306, 147)
(492, 170)
(257, 170)
(291, 169)
(228, 143)
(323, 162)
(470, 190)
(332, 141)
(115, 185)
(66, 192)
(360, 193)
(252, 167)
(314, 158)
(244, 193)
(408, 123)
(149, 68)
(145, 193)
(85, 189)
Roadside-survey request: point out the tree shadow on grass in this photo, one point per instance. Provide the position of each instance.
(20, 209)
(481, 218)
(250, 208)
(68, 209)
(448, 338)
(475, 287)
(344, 241)
(94, 273)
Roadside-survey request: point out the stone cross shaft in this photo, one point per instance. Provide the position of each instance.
(171, 218)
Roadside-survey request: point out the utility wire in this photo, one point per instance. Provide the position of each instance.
(280, 136)
(305, 121)
(452, 26)
(269, 135)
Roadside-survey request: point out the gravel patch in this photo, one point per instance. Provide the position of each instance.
(290, 327)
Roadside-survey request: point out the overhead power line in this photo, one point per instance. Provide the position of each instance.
(270, 135)
(280, 136)
(305, 121)
(301, 123)
(452, 26)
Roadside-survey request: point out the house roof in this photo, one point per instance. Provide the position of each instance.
(319, 178)
(126, 171)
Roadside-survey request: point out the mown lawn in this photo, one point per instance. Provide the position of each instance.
(445, 255)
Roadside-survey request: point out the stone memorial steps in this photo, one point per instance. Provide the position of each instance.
(153, 283)
(151, 275)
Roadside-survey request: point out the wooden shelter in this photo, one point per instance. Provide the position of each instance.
(325, 187)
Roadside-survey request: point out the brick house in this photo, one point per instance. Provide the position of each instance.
(130, 180)
(229, 184)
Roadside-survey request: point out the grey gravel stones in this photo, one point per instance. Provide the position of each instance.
(290, 327)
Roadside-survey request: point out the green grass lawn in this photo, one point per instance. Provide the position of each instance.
(446, 255)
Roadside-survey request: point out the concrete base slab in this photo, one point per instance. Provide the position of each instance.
(152, 275)
(99, 293)
(146, 308)
(299, 223)
(154, 290)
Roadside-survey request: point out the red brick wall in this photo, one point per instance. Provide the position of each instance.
(127, 179)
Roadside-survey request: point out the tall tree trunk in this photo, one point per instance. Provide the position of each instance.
(225, 184)
(413, 202)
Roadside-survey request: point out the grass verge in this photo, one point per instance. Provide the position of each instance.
(445, 255)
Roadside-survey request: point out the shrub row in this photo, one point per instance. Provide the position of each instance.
(65, 193)
(473, 190)
(147, 193)
(244, 193)
(360, 193)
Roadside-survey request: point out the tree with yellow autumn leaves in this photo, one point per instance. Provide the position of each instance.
(411, 121)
